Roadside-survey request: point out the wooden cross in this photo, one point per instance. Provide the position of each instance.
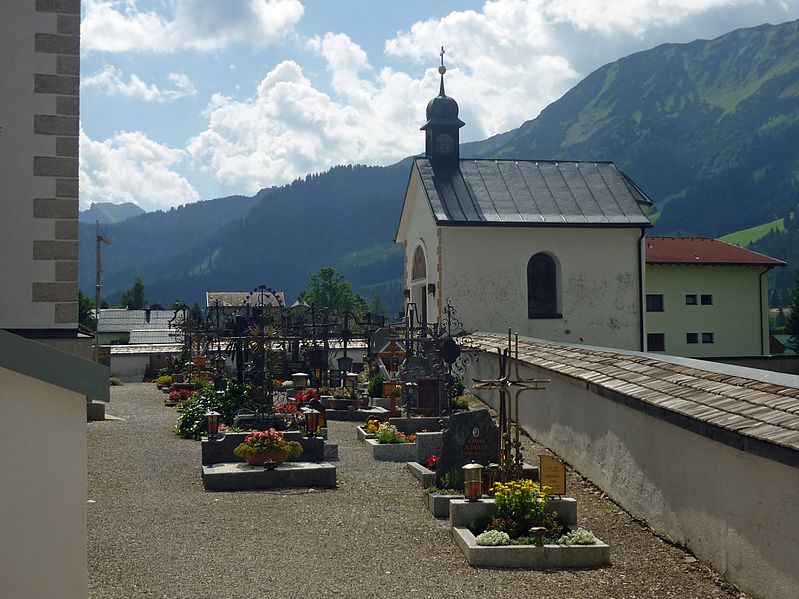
(511, 465)
(392, 358)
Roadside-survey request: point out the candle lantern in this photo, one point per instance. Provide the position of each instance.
(311, 422)
(213, 423)
(490, 476)
(473, 481)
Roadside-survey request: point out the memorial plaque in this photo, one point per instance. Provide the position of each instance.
(552, 473)
(470, 436)
(428, 395)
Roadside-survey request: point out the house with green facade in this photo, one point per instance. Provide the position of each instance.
(706, 298)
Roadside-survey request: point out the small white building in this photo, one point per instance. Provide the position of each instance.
(552, 249)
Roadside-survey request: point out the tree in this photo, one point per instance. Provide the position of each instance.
(176, 304)
(328, 289)
(86, 315)
(792, 320)
(134, 298)
(377, 306)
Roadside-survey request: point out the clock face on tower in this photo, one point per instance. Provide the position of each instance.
(445, 145)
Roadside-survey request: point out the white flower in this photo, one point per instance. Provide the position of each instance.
(493, 538)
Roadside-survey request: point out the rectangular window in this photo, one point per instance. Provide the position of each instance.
(654, 302)
(692, 337)
(707, 337)
(655, 342)
(706, 299)
(690, 299)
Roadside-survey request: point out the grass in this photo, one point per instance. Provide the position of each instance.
(746, 236)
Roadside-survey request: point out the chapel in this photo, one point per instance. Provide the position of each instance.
(552, 249)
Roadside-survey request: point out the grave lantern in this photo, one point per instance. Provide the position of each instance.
(311, 422)
(213, 423)
(473, 481)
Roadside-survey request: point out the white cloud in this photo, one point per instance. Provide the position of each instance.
(290, 127)
(130, 167)
(633, 17)
(119, 26)
(110, 81)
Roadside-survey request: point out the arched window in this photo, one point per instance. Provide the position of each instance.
(542, 287)
(419, 265)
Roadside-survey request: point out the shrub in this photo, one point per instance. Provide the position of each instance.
(521, 505)
(163, 380)
(376, 385)
(115, 382)
(192, 422)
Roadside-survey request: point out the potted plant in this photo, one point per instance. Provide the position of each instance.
(269, 445)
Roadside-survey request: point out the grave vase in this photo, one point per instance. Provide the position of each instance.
(258, 459)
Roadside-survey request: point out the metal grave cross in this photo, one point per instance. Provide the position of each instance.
(510, 458)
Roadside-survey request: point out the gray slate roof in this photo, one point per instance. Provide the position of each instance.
(119, 320)
(533, 193)
(153, 336)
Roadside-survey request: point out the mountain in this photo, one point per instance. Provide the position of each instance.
(707, 129)
(146, 243)
(106, 212)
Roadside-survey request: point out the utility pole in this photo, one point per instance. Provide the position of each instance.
(100, 240)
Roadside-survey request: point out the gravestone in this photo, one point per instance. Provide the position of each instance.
(429, 395)
(470, 436)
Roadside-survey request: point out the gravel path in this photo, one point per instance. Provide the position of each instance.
(154, 532)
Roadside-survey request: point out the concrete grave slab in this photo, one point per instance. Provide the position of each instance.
(240, 476)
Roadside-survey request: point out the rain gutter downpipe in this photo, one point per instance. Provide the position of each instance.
(641, 299)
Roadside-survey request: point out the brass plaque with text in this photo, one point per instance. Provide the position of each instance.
(552, 473)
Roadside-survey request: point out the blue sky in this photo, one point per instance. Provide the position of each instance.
(183, 100)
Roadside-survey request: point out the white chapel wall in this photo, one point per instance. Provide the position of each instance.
(484, 272)
(421, 228)
(43, 503)
(735, 510)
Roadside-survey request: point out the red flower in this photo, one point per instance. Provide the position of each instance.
(431, 462)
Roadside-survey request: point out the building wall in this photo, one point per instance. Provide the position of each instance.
(738, 317)
(484, 272)
(43, 502)
(421, 229)
(39, 43)
(735, 510)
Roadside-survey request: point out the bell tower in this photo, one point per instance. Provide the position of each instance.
(441, 128)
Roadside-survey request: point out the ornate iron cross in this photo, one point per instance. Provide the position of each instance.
(510, 458)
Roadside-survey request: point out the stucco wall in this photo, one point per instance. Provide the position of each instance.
(734, 510)
(419, 228)
(39, 43)
(484, 272)
(738, 317)
(43, 460)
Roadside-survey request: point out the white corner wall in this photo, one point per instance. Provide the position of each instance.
(43, 459)
(737, 511)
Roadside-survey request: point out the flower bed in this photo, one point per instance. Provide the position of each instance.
(530, 556)
(391, 452)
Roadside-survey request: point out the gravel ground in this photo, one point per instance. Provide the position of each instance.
(154, 532)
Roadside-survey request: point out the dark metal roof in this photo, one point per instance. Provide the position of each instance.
(533, 193)
(756, 416)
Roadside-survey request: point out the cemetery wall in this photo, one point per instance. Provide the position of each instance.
(43, 502)
(599, 299)
(733, 509)
(129, 367)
